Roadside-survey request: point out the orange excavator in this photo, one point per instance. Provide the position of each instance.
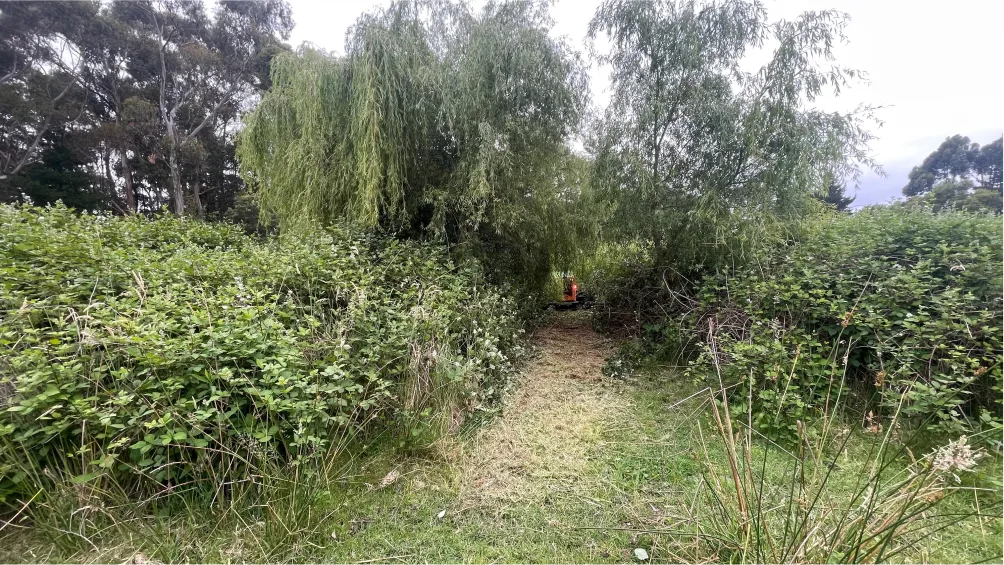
(571, 298)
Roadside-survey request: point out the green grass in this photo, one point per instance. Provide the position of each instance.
(671, 455)
(624, 469)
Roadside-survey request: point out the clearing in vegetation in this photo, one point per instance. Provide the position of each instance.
(345, 375)
(586, 468)
(581, 467)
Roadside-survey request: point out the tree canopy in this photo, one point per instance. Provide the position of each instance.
(957, 159)
(959, 174)
(836, 196)
(438, 122)
(129, 106)
(696, 155)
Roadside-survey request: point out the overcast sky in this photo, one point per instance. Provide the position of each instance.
(934, 67)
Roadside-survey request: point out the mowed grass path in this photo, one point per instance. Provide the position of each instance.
(560, 477)
(579, 468)
(582, 468)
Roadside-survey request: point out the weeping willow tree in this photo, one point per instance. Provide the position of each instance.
(703, 160)
(438, 122)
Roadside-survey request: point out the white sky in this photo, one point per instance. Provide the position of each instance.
(934, 67)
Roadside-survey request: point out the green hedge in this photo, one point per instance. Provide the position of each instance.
(902, 305)
(171, 350)
(897, 309)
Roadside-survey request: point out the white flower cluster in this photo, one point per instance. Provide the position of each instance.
(958, 456)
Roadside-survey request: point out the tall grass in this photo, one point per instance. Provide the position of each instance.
(893, 506)
(275, 509)
(176, 370)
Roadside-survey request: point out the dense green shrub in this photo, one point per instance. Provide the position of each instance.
(626, 286)
(440, 121)
(178, 351)
(900, 305)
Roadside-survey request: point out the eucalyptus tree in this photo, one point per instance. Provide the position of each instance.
(958, 159)
(699, 156)
(438, 122)
(124, 105)
(106, 53)
(39, 76)
(199, 66)
(959, 174)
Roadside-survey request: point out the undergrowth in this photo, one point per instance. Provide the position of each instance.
(873, 340)
(841, 494)
(586, 470)
(902, 307)
(146, 359)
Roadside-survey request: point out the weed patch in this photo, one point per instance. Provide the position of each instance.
(145, 358)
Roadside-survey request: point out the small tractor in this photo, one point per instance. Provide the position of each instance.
(571, 298)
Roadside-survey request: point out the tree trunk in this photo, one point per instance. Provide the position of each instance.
(659, 251)
(177, 190)
(109, 182)
(130, 191)
(197, 194)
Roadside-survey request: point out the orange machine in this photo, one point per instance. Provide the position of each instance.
(571, 298)
(571, 289)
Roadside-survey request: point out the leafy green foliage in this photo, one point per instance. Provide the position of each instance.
(959, 159)
(625, 284)
(145, 94)
(836, 196)
(438, 122)
(959, 175)
(59, 175)
(38, 91)
(172, 351)
(958, 195)
(901, 306)
(702, 159)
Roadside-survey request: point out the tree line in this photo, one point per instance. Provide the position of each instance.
(131, 106)
(450, 123)
(960, 174)
(442, 121)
